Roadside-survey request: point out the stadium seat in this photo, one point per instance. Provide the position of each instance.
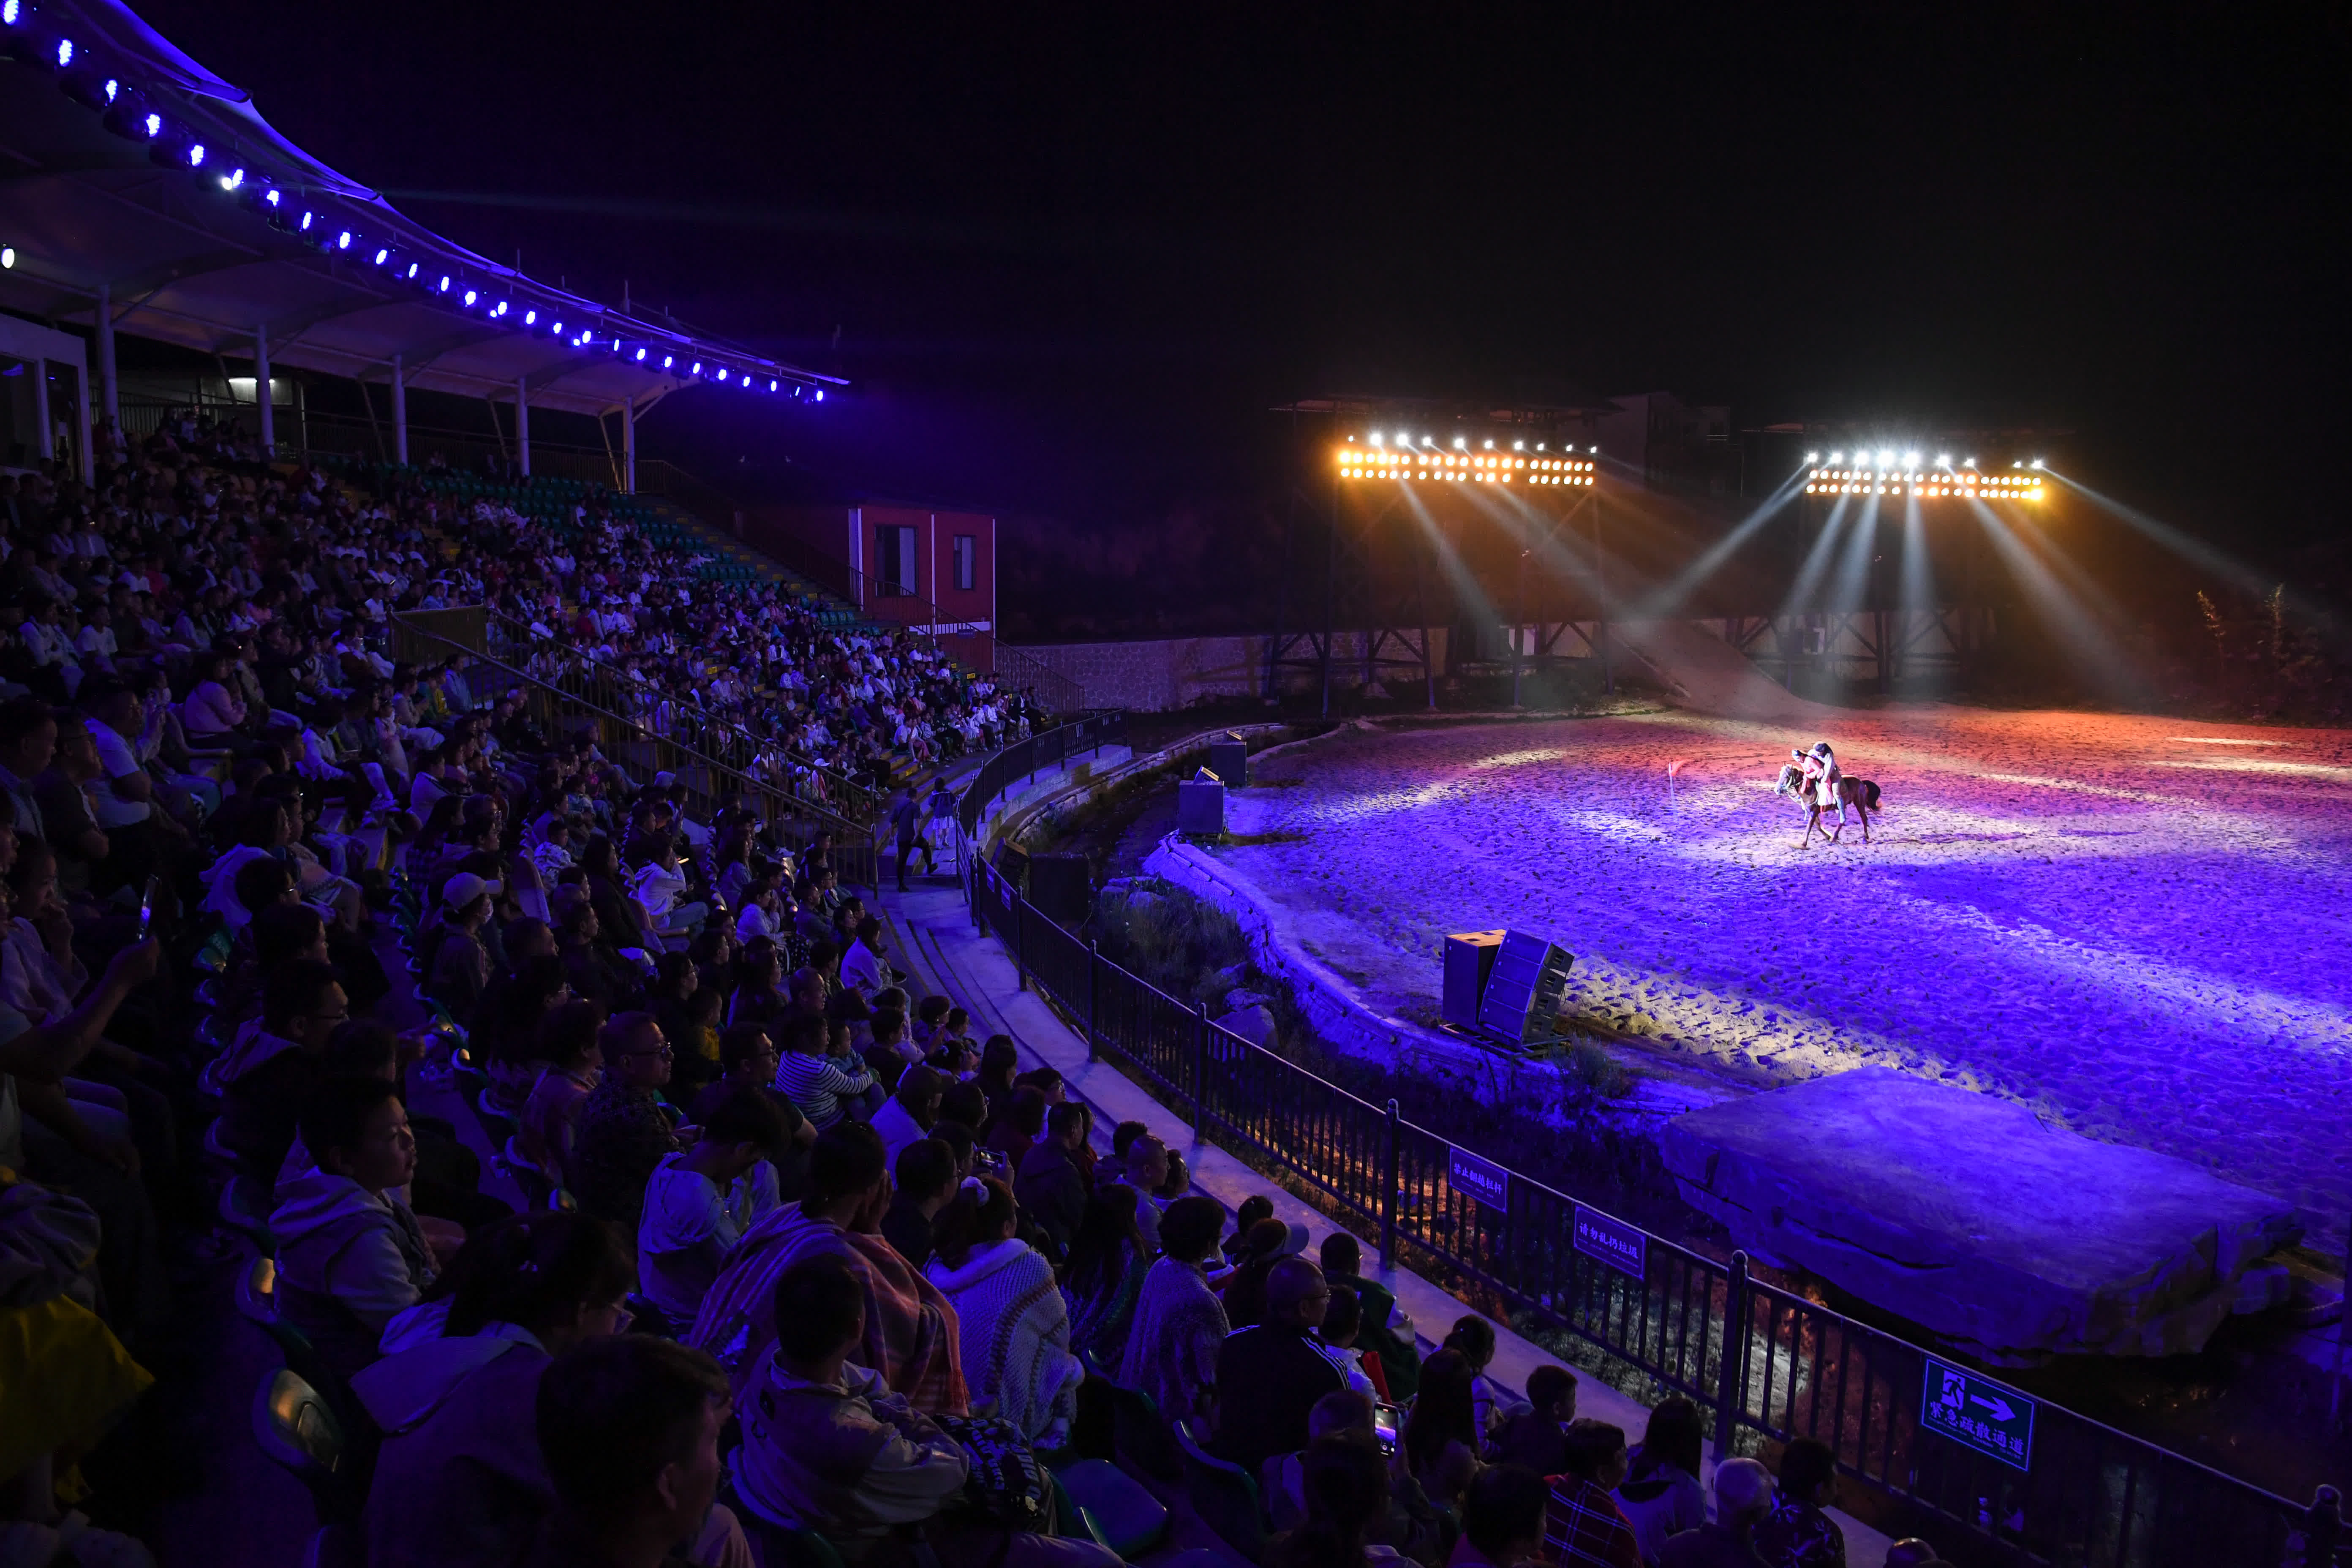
(295, 1427)
(1224, 1496)
(244, 1211)
(1127, 1518)
(1140, 1433)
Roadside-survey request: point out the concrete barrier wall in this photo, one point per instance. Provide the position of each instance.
(1163, 674)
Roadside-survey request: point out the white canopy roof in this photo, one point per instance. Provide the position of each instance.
(102, 184)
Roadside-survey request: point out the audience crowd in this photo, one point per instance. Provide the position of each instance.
(802, 1256)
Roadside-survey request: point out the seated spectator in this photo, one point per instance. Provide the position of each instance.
(1583, 1527)
(1473, 1336)
(1440, 1442)
(1050, 1185)
(910, 1329)
(1015, 1330)
(967, 1106)
(350, 1257)
(1537, 1437)
(1337, 1339)
(1180, 1327)
(1911, 1551)
(829, 1446)
(68, 1380)
(1144, 1165)
(272, 1063)
(911, 1109)
(1346, 1492)
(699, 1202)
(629, 1426)
(999, 1060)
(623, 1135)
(1800, 1533)
(813, 1081)
(1269, 1376)
(1281, 1482)
(1660, 1494)
(1743, 1501)
(927, 1179)
(930, 1013)
(1502, 1519)
(459, 1479)
(863, 968)
(1386, 1330)
(1108, 1258)
(1270, 1241)
(1253, 1208)
(461, 965)
(748, 1055)
(1014, 1125)
(569, 1039)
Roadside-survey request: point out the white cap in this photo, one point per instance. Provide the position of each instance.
(463, 888)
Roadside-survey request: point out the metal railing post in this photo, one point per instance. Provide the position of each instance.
(1731, 1361)
(1093, 994)
(1389, 1191)
(1020, 935)
(1200, 1072)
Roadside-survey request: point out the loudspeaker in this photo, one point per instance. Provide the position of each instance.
(1523, 995)
(1469, 960)
(1061, 888)
(1199, 807)
(1229, 760)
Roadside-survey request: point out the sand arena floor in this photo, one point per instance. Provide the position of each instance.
(2140, 927)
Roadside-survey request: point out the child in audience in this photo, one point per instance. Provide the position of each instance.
(350, 1257)
(700, 1201)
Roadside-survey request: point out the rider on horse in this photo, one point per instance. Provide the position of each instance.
(1819, 787)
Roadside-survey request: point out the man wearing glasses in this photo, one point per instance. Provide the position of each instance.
(623, 1130)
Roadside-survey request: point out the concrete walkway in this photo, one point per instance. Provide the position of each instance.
(932, 931)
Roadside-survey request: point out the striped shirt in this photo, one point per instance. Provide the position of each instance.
(816, 1085)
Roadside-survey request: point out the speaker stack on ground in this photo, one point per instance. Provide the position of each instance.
(1505, 984)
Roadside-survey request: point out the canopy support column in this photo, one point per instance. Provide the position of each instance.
(522, 425)
(629, 445)
(112, 401)
(262, 392)
(399, 414)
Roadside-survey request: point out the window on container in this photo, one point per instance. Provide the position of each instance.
(895, 555)
(967, 555)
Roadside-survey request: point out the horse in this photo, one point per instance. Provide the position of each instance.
(1860, 794)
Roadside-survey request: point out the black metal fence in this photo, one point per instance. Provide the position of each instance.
(1769, 1365)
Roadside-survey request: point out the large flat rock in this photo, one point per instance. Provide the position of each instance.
(1966, 1215)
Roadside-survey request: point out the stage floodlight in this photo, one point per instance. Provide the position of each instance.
(1953, 484)
(11, 12)
(820, 394)
(7, 258)
(233, 182)
(1910, 460)
(64, 53)
(1942, 460)
(1836, 459)
(2037, 462)
(772, 383)
(1812, 456)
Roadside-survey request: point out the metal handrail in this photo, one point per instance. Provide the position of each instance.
(1768, 1365)
(593, 699)
(738, 746)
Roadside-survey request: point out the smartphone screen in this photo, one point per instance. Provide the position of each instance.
(147, 907)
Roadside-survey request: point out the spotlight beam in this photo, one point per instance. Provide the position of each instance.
(1670, 597)
(2197, 552)
(2064, 615)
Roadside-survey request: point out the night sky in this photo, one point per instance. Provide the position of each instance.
(1072, 259)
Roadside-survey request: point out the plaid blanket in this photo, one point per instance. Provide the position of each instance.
(910, 1329)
